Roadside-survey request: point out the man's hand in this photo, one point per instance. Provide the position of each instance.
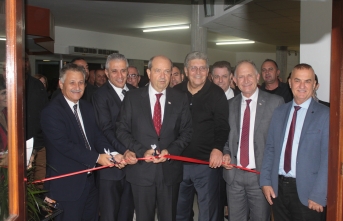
(315, 206)
(161, 158)
(104, 160)
(227, 161)
(121, 163)
(268, 193)
(216, 158)
(130, 157)
(150, 155)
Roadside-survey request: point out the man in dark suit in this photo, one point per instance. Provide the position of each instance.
(73, 143)
(249, 117)
(295, 163)
(115, 195)
(155, 120)
(221, 76)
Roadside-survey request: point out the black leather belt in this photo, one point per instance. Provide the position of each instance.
(286, 179)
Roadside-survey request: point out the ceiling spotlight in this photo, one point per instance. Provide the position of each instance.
(166, 28)
(235, 42)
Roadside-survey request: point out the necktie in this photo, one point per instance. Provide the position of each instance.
(289, 144)
(157, 114)
(80, 127)
(244, 154)
(123, 92)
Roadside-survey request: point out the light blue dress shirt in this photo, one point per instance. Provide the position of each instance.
(298, 127)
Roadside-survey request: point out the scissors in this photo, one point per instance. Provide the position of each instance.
(110, 154)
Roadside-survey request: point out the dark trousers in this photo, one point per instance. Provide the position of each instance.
(160, 195)
(85, 208)
(115, 200)
(287, 206)
(205, 181)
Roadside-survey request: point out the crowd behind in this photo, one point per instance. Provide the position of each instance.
(266, 145)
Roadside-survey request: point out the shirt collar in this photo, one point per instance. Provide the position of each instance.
(253, 97)
(118, 89)
(304, 105)
(71, 104)
(153, 91)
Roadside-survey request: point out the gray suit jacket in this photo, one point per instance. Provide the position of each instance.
(312, 157)
(266, 104)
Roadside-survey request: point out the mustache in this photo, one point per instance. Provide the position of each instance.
(76, 91)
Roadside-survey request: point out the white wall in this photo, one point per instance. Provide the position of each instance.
(315, 41)
(131, 47)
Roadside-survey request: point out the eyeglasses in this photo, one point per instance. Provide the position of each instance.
(195, 68)
(132, 75)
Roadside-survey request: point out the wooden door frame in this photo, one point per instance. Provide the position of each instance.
(15, 100)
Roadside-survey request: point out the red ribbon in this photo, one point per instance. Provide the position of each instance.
(173, 157)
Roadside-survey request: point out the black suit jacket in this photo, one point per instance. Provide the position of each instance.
(107, 103)
(65, 147)
(136, 131)
(36, 100)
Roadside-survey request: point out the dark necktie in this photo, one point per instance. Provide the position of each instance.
(288, 151)
(80, 127)
(244, 154)
(157, 114)
(123, 92)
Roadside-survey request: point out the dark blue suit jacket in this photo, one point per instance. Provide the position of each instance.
(312, 157)
(65, 147)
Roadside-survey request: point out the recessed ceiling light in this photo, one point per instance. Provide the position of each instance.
(235, 42)
(166, 28)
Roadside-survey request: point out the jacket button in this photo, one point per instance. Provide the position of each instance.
(158, 139)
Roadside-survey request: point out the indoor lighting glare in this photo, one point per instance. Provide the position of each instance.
(166, 28)
(234, 42)
(2, 39)
(46, 60)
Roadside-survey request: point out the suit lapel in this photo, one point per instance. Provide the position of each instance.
(260, 107)
(237, 118)
(70, 115)
(145, 104)
(308, 119)
(113, 94)
(167, 108)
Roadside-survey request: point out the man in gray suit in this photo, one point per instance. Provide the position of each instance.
(249, 116)
(295, 163)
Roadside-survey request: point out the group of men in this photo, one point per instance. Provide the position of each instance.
(136, 133)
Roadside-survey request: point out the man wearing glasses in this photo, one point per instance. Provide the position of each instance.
(133, 76)
(209, 109)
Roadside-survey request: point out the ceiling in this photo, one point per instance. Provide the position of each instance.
(270, 23)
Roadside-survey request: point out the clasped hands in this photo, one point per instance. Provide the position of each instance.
(121, 161)
(150, 157)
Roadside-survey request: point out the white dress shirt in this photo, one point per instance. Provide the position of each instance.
(229, 93)
(152, 97)
(252, 105)
(119, 90)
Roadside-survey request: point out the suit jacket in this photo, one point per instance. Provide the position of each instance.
(266, 104)
(312, 157)
(135, 129)
(107, 103)
(36, 100)
(65, 147)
